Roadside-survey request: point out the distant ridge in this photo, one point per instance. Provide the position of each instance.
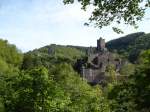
(123, 42)
(130, 45)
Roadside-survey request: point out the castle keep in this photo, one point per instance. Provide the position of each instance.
(94, 69)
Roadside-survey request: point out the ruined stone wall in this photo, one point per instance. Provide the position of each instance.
(92, 75)
(97, 64)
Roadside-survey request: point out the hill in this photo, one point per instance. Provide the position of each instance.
(47, 76)
(128, 46)
(49, 85)
(50, 55)
(131, 45)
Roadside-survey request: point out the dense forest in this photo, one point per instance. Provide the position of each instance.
(130, 46)
(45, 80)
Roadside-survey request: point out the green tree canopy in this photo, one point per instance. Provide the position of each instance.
(9, 53)
(107, 11)
(134, 94)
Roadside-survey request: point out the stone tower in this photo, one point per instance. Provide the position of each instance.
(101, 44)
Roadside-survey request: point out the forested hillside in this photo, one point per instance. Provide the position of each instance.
(49, 85)
(10, 57)
(10, 62)
(51, 55)
(43, 80)
(131, 45)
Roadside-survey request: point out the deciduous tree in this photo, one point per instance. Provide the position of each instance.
(120, 11)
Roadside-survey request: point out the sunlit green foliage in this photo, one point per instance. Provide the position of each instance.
(47, 82)
(127, 69)
(47, 86)
(9, 53)
(49, 55)
(110, 69)
(10, 61)
(83, 97)
(59, 90)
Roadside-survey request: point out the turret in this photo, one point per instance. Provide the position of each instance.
(101, 44)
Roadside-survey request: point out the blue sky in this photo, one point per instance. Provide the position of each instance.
(31, 24)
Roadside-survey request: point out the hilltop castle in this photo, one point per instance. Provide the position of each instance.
(95, 67)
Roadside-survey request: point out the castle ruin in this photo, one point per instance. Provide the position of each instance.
(94, 69)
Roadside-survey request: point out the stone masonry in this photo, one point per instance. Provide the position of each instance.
(97, 63)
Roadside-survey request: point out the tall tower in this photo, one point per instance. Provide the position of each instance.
(101, 44)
